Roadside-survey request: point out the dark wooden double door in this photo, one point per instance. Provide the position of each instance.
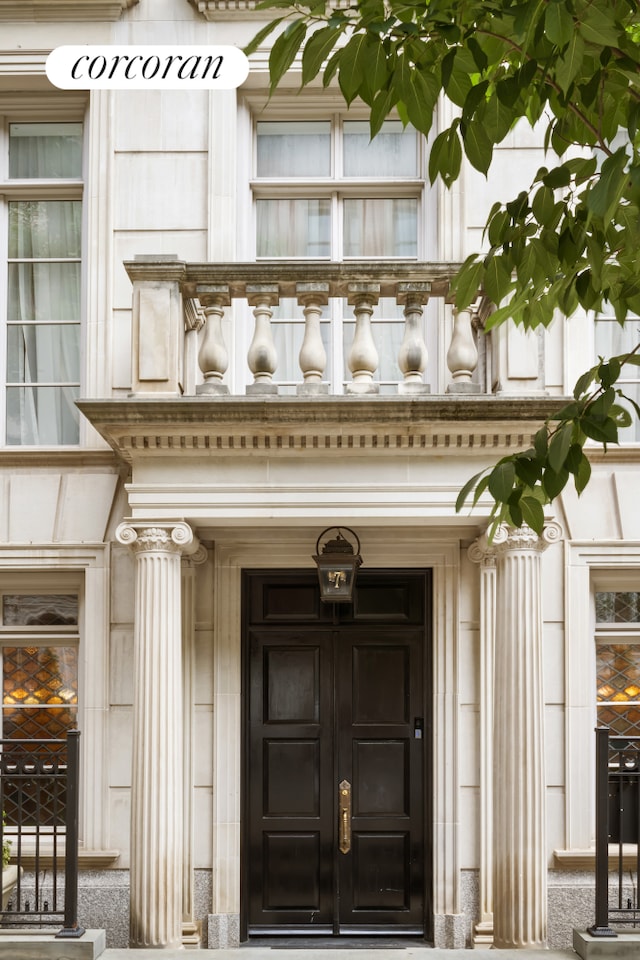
(337, 752)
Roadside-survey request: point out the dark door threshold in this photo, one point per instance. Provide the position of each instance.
(374, 942)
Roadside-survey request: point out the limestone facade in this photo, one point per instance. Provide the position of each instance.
(193, 466)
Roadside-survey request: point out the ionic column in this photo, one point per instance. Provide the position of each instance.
(191, 933)
(482, 553)
(156, 785)
(519, 788)
(363, 356)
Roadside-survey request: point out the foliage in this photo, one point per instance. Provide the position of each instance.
(571, 67)
(523, 483)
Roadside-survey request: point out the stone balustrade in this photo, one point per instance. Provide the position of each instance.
(178, 311)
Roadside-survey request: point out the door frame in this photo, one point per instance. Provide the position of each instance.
(428, 712)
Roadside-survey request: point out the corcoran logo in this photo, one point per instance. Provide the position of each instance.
(147, 67)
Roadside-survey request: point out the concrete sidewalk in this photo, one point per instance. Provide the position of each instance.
(339, 953)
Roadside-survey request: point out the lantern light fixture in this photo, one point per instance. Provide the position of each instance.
(337, 565)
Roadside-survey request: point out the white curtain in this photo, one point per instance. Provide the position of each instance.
(43, 328)
(45, 151)
(293, 228)
(380, 227)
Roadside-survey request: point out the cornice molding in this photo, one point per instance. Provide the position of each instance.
(242, 9)
(63, 10)
(283, 425)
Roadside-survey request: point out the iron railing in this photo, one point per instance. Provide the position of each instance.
(617, 832)
(39, 796)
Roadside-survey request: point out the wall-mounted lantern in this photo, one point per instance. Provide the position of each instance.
(337, 566)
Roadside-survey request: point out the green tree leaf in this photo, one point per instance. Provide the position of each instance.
(501, 480)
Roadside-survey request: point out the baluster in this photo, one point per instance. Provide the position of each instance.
(413, 356)
(313, 357)
(213, 357)
(363, 356)
(262, 356)
(462, 356)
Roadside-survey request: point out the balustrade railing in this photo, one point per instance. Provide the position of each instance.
(39, 795)
(174, 300)
(617, 832)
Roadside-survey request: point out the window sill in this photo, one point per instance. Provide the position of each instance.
(49, 10)
(586, 859)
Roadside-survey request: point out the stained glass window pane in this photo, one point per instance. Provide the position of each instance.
(617, 607)
(26, 610)
(40, 692)
(618, 683)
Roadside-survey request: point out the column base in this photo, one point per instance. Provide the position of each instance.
(483, 935)
(191, 935)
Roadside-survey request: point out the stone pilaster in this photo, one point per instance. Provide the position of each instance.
(482, 553)
(519, 789)
(156, 787)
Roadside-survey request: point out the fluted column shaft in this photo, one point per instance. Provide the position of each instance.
(156, 786)
(519, 789)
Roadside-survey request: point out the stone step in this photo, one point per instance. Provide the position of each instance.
(626, 944)
(38, 945)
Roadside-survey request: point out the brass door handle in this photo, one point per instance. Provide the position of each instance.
(344, 807)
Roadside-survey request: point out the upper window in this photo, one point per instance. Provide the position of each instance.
(323, 189)
(618, 661)
(43, 217)
(613, 339)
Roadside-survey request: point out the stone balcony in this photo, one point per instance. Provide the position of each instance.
(178, 311)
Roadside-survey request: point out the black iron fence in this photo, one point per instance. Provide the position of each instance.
(617, 832)
(39, 800)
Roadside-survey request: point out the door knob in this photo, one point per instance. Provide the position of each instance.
(344, 808)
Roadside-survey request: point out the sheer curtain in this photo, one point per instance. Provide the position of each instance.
(43, 327)
(293, 228)
(380, 227)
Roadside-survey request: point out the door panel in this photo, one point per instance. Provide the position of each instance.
(334, 696)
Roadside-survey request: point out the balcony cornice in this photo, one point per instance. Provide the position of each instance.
(195, 278)
(63, 10)
(142, 428)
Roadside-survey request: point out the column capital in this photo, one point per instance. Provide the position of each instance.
(508, 538)
(159, 537)
(481, 551)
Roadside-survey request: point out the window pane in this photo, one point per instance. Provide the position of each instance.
(43, 353)
(42, 415)
(40, 692)
(618, 680)
(612, 338)
(44, 228)
(392, 153)
(292, 149)
(381, 227)
(25, 610)
(617, 607)
(44, 291)
(293, 228)
(45, 150)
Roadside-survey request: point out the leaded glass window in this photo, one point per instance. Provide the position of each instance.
(618, 661)
(39, 665)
